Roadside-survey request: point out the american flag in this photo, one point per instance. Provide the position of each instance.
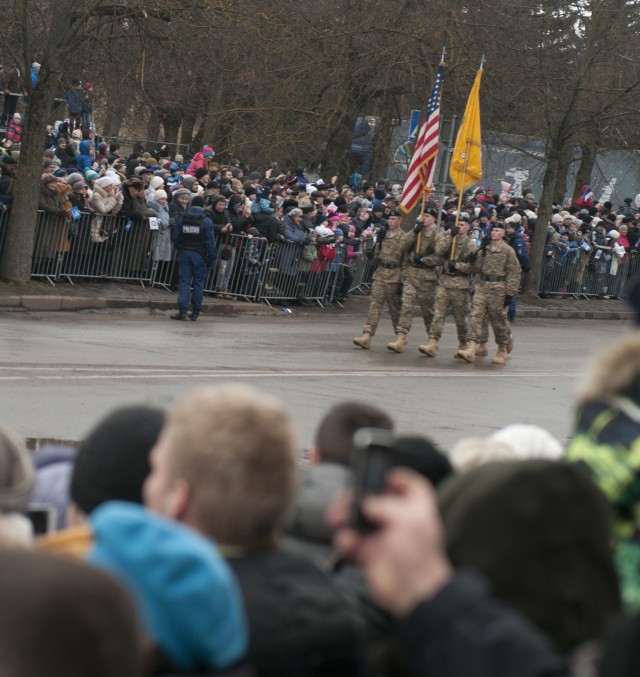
(423, 160)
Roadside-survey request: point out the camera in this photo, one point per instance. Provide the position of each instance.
(43, 518)
(373, 456)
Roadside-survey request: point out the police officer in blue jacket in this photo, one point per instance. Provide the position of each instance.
(193, 237)
(514, 234)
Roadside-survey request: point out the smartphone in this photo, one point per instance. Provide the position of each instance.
(372, 458)
(43, 518)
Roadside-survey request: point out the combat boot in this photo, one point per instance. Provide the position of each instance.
(363, 341)
(501, 355)
(461, 346)
(180, 316)
(469, 354)
(510, 344)
(430, 349)
(482, 350)
(399, 344)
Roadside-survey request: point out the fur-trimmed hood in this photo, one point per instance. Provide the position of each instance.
(612, 370)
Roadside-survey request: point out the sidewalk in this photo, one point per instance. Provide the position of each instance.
(115, 296)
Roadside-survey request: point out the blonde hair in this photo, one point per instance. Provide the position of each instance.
(235, 447)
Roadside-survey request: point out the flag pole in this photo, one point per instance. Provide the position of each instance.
(464, 173)
(426, 191)
(464, 167)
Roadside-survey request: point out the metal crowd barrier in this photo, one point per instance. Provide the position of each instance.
(94, 246)
(362, 269)
(576, 273)
(240, 265)
(287, 276)
(114, 248)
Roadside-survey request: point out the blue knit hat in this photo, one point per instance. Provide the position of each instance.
(186, 593)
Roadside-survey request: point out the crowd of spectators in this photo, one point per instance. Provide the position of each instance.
(199, 540)
(591, 248)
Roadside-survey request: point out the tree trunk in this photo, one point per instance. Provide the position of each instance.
(538, 246)
(153, 125)
(113, 120)
(382, 140)
(210, 119)
(188, 125)
(18, 247)
(589, 152)
(171, 127)
(560, 188)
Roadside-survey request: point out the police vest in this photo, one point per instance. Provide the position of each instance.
(191, 235)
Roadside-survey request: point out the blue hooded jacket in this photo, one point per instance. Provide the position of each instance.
(83, 159)
(185, 592)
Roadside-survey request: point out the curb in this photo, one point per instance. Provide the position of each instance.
(557, 314)
(50, 303)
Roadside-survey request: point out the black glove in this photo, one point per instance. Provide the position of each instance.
(418, 260)
(382, 233)
(473, 256)
(507, 300)
(451, 265)
(417, 228)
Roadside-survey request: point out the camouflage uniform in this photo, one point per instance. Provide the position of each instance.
(419, 280)
(388, 257)
(453, 291)
(497, 275)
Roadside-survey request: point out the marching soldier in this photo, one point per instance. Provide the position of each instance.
(497, 278)
(387, 255)
(454, 289)
(419, 276)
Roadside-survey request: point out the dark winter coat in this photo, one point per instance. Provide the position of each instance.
(300, 625)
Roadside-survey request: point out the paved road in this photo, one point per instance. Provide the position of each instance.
(59, 373)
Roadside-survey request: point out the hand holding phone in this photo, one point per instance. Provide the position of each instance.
(372, 458)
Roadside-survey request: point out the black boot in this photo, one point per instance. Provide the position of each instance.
(180, 316)
(194, 316)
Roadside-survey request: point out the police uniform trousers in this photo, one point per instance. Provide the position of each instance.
(192, 271)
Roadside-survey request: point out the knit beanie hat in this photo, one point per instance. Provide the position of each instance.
(540, 532)
(187, 596)
(74, 177)
(113, 460)
(420, 454)
(160, 195)
(208, 152)
(156, 182)
(530, 441)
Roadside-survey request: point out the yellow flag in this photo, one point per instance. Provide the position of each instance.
(465, 168)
